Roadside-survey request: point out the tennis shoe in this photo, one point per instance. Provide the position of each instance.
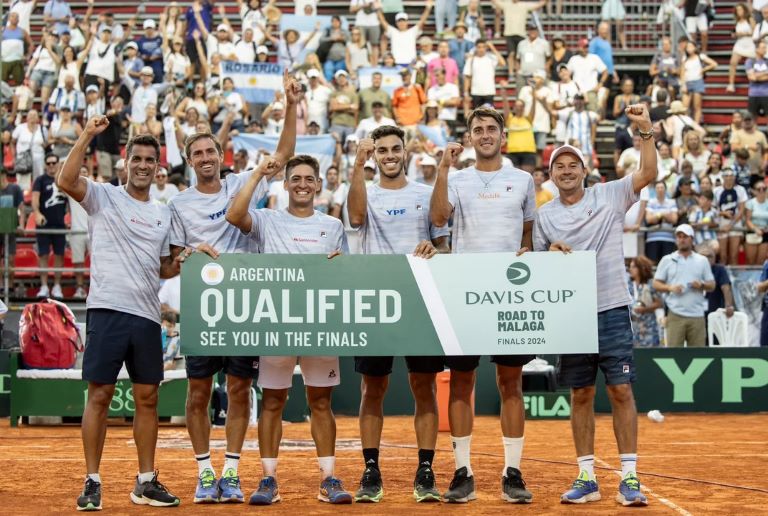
(629, 492)
(582, 490)
(371, 487)
(462, 487)
(332, 491)
(207, 489)
(513, 487)
(90, 498)
(267, 492)
(229, 488)
(153, 493)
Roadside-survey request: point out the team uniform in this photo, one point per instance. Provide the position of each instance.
(596, 223)
(123, 318)
(198, 218)
(488, 215)
(279, 232)
(397, 220)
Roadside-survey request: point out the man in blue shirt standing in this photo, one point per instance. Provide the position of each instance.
(460, 47)
(601, 47)
(150, 49)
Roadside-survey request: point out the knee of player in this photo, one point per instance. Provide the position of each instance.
(145, 398)
(621, 394)
(238, 390)
(197, 400)
(273, 400)
(462, 386)
(583, 396)
(423, 387)
(374, 387)
(100, 397)
(320, 402)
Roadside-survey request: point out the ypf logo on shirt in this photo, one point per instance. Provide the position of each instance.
(212, 273)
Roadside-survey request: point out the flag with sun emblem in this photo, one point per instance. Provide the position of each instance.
(256, 82)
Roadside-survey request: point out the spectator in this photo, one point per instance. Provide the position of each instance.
(11, 196)
(344, 106)
(323, 201)
(334, 41)
(724, 140)
(563, 93)
(161, 190)
(357, 53)
(753, 140)
(102, 59)
(686, 173)
(686, 200)
(177, 65)
(590, 73)
(581, 127)
(367, 125)
(537, 91)
(706, 186)
(695, 152)
(42, 69)
(49, 207)
(170, 335)
(533, 52)
(144, 95)
(30, 137)
(560, 56)
(407, 102)
(78, 240)
(318, 96)
(661, 217)
(600, 45)
(337, 188)
(613, 10)
(23, 9)
(66, 96)
(290, 46)
(107, 145)
(107, 20)
(478, 71)
(427, 171)
(198, 100)
(246, 50)
(685, 276)
(253, 16)
(425, 54)
(447, 96)
(665, 65)
(622, 134)
(714, 169)
(367, 22)
(273, 118)
(543, 195)
(475, 20)
(761, 17)
(443, 62)
(629, 159)
(694, 69)
(374, 93)
(757, 222)
(696, 20)
(722, 295)
(198, 18)
(402, 38)
(762, 288)
(645, 302)
(741, 167)
(744, 47)
(151, 124)
(150, 48)
(434, 130)
(515, 20)
(677, 122)
(230, 101)
(445, 15)
(704, 219)
(57, 12)
(65, 134)
(667, 167)
(730, 201)
(757, 73)
(459, 46)
(14, 39)
(521, 143)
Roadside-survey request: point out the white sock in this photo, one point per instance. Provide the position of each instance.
(146, 477)
(203, 463)
(327, 465)
(513, 452)
(231, 460)
(94, 476)
(461, 452)
(628, 464)
(587, 465)
(269, 466)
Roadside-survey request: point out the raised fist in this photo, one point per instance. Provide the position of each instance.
(451, 155)
(364, 151)
(96, 125)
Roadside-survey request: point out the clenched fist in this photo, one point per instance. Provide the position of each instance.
(451, 155)
(364, 151)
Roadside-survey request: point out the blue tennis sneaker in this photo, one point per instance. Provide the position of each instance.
(267, 492)
(229, 488)
(332, 491)
(629, 492)
(583, 490)
(207, 491)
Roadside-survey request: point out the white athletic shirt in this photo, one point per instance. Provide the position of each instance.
(490, 220)
(130, 236)
(279, 232)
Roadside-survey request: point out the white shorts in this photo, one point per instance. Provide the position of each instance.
(277, 372)
(79, 245)
(694, 23)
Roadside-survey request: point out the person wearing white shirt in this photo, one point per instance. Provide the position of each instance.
(220, 43)
(479, 70)
(24, 9)
(101, 60)
(318, 95)
(447, 96)
(144, 95)
(367, 125)
(590, 73)
(402, 38)
(161, 190)
(246, 49)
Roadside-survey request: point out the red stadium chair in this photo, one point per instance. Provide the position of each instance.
(25, 257)
(31, 223)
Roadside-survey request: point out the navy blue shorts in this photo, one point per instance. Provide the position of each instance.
(205, 367)
(614, 334)
(468, 363)
(114, 338)
(382, 366)
(46, 242)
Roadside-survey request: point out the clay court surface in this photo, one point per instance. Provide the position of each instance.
(690, 464)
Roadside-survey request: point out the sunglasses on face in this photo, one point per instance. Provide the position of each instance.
(51, 162)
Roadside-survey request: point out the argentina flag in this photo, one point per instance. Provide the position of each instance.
(320, 147)
(256, 82)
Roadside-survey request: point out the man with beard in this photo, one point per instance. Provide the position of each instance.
(492, 207)
(393, 218)
(197, 216)
(298, 229)
(592, 219)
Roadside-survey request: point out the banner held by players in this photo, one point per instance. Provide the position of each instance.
(473, 304)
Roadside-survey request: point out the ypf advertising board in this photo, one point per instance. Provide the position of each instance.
(471, 304)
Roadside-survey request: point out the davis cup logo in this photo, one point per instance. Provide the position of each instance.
(518, 273)
(212, 273)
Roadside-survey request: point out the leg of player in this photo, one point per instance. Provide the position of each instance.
(510, 383)
(238, 414)
(584, 488)
(323, 426)
(199, 428)
(270, 434)
(461, 417)
(625, 429)
(373, 389)
(148, 489)
(94, 431)
(425, 423)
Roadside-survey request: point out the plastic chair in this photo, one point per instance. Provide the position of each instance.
(25, 257)
(730, 332)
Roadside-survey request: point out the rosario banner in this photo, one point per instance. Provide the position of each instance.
(466, 304)
(256, 82)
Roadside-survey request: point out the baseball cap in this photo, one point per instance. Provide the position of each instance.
(566, 149)
(401, 16)
(339, 73)
(428, 161)
(64, 31)
(106, 28)
(540, 73)
(425, 40)
(131, 44)
(377, 104)
(685, 229)
(262, 49)
(531, 26)
(147, 70)
(370, 164)
(222, 26)
(432, 104)
(149, 24)
(562, 66)
(120, 163)
(91, 88)
(313, 72)
(352, 138)
(727, 172)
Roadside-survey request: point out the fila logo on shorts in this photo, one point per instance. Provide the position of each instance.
(625, 369)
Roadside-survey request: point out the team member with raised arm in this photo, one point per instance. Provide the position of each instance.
(393, 217)
(592, 219)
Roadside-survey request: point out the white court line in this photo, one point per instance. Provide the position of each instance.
(662, 500)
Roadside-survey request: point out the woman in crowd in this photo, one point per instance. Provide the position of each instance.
(69, 64)
(757, 223)
(560, 55)
(66, 134)
(692, 73)
(171, 21)
(197, 100)
(30, 136)
(42, 69)
(667, 166)
(334, 42)
(645, 303)
(151, 124)
(744, 47)
(440, 131)
(695, 152)
(474, 20)
(714, 169)
(676, 123)
(613, 11)
(358, 53)
(521, 142)
(290, 46)
(730, 201)
(177, 64)
(705, 185)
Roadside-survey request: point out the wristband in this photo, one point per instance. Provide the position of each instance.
(645, 135)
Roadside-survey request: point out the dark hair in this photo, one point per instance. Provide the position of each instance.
(301, 159)
(742, 153)
(644, 267)
(51, 155)
(168, 317)
(707, 194)
(143, 139)
(177, 180)
(486, 113)
(200, 136)
(481, 40)
(387, 130)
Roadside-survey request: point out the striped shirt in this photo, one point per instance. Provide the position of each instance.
(489, 209)
(595, 223)
(279, 232)
(698, 216)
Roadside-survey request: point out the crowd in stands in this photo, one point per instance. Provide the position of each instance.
(162, 74)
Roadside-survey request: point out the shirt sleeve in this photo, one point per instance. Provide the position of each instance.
(621, 193)
(166, 250)
(453, 191)
(95, 196)
(178, 235)
(741, 194)
(662, 271)
(540, 240)
(341, 239)
(36, 187)
(258, 220)
(529, 208)
(764, 273)
(708, 276)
